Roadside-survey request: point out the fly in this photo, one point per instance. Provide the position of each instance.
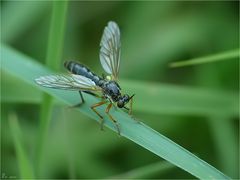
(82, 79)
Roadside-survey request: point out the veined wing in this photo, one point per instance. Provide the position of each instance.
(110, 48)
(68, 82)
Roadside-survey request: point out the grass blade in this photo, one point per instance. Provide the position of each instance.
(176, 100)
(54, 53)
(221, 126)
(25, 167)
(228, 156)
(207, 59)
(27, 70)
(146, 171)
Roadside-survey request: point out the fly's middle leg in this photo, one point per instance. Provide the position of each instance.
(82, 101)
(112, 119)
(93, 108)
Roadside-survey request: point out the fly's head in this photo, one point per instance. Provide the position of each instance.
(123, 100)
(112, 91)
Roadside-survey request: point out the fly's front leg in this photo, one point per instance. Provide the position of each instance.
(110, 116)
(93, 108)
(130, 108)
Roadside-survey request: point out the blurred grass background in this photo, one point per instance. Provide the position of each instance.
(154, 34)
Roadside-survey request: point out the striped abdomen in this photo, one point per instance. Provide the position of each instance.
(80, 69)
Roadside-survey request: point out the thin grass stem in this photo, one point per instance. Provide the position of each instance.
(53, 59)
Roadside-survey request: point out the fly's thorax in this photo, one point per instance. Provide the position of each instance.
(112, 90)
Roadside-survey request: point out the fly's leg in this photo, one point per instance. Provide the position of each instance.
(93, 108)
(82, 99)
(112, 119)
(79, 104)
(130, 109)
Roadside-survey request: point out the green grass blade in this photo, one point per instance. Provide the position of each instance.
(27, 70)
(146, 171)
(221, 126)
(54, 53)
(228, 156)
(227, 55)
(56, 34)
(177, 100)
(24, 165)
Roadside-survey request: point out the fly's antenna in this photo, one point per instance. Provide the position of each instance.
(131, 96)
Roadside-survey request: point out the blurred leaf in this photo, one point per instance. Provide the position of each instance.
(23, 15)
(24, 93)
(224, 138)
(221, 127)
(177, 100)
(159, 35)
(24, 165)
(27, 70)
(149, 49)
(146, 171)
(54, 54)
(233, 54)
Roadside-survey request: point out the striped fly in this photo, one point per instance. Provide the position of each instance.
(82, 79)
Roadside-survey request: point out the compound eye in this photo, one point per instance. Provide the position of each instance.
(120, 104)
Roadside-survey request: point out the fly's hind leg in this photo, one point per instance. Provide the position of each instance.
(93, 108)
(112, 119)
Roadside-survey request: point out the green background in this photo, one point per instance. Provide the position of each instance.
(195, 106)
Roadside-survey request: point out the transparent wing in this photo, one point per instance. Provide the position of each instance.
(110, 47)
(68, 82)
